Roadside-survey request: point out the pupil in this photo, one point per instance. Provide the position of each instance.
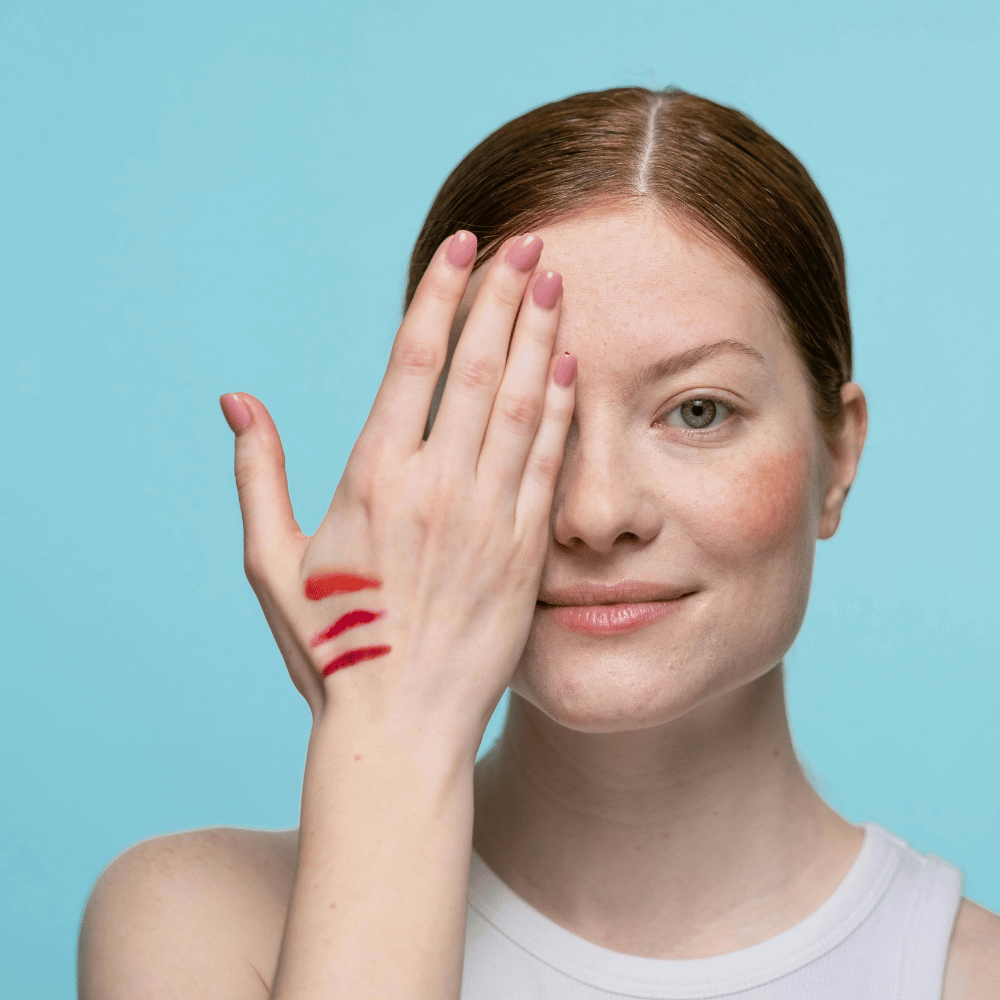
(698, 412)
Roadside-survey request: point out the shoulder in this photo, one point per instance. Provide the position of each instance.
(193, 914)
(972, 971)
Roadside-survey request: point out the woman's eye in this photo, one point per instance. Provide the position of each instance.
(699, 414)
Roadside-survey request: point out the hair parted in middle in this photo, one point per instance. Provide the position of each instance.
(700, 162)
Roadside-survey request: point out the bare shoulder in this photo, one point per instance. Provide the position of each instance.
(193, 914)
(972, 971)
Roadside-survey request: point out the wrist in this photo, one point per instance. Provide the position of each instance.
(396, 740)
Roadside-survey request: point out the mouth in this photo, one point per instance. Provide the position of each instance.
(615, 617)
(589, 594)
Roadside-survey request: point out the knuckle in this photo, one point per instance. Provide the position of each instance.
(543, 468)
(505, 293)
(434, 504)
(362, 480)
(440, 287)
(476, 373)
(368, 474)
(247, 473)
(445, 483)
(521, 412)
(417, 358)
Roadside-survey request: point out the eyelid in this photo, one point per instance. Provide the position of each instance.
(733, 408)
(717, 394)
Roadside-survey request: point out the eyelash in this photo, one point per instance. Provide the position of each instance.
(731, 409)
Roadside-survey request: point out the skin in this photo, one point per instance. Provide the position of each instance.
(660, 762)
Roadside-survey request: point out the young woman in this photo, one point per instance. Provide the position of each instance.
(616, 418)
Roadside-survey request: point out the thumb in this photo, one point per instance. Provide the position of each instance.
(268, 522)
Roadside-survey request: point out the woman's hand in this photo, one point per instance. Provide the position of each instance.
(450, 533)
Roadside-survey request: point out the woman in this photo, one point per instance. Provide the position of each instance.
(629, 550)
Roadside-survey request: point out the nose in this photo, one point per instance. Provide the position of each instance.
(603, 497)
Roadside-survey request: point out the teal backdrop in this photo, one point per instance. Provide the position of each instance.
(203, 197)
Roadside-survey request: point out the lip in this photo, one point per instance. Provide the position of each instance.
(585, 593)
(610, 619)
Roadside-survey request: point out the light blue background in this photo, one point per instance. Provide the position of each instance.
(205, 197)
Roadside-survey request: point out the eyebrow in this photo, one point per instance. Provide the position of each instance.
(676, 363)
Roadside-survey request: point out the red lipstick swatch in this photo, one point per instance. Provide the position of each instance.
(325, 584)
(355, 656)
(342, 624)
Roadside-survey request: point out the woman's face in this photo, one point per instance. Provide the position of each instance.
(721, 500)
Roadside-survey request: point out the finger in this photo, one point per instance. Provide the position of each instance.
(269, 526)
(520, 400)
(481, 355)
(534, 501)
(399, 413)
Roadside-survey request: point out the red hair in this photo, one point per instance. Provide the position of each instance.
(699, 161)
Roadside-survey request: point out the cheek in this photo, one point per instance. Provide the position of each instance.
(760, 508)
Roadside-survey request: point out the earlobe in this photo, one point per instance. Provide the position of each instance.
(832, 509)
(845, 453)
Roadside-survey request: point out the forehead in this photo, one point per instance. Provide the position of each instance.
(640, 274)
(639, 284)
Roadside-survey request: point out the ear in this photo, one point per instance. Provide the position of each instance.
(845, 453)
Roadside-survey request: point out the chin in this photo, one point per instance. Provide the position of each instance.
(635, 683)
(614, 691)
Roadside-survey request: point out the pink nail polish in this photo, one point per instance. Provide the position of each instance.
(461, 248)
(565, 369)
(547, 288)
(236, 412)
(525, 252)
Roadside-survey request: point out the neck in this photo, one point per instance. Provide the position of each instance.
(689, 839)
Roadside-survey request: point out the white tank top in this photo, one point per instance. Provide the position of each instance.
(883, 933)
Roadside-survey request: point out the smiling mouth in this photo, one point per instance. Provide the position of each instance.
(612, 619)
(665, 599)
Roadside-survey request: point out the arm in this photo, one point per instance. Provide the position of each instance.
(379, 903)
(972, 970)
(401, 622)
(457, 528)
(180, 915)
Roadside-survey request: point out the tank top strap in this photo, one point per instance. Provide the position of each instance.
(927, 895)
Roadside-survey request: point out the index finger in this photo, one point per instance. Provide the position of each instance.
(399, 414)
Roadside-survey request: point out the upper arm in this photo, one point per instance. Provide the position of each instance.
(972, 971)
(164, 921)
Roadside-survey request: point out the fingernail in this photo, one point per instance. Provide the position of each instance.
(461, 248)
(565, 369)
(547, 289)
(235, 411)
(525, 252)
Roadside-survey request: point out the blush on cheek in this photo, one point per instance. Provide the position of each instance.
(757, 507)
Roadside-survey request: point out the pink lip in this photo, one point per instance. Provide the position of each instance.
(610, 619)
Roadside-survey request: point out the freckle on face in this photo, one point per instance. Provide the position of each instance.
(758, 508)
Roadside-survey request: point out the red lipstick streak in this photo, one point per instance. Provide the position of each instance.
(325, 584)
(353, 656)
(342, 624)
